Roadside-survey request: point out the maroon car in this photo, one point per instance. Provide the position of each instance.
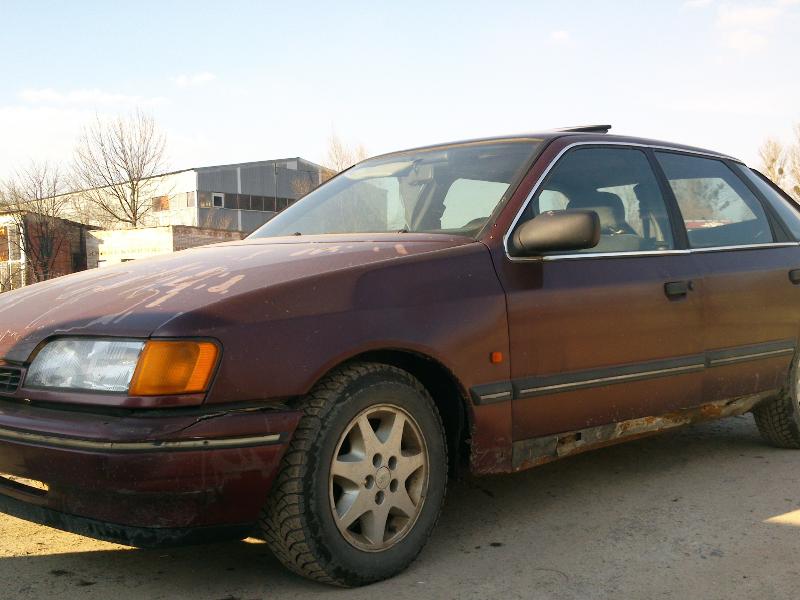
(490, 305)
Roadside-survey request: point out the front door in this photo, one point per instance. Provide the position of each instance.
(612, 333)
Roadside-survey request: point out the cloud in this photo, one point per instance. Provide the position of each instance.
(748, 28)
(194, 79)
(748, 16)
(745, 41)
(87, 97)
(696, 3)
(560, 37)
(39, 132)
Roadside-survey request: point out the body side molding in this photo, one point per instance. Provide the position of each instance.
(530, 387)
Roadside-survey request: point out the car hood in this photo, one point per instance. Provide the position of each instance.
(137, 298)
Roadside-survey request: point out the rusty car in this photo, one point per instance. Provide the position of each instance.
(483, 306)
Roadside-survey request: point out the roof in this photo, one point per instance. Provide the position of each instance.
(255, 163)
(4, 213)
(586, 134)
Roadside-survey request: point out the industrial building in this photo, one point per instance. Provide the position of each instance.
(188, 208)
(236, 197)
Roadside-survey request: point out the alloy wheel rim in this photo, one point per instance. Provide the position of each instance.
(378, 478)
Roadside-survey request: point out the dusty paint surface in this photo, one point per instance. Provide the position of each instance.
(136, 298)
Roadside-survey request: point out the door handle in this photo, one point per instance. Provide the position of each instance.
(678, 289)
(794, 276)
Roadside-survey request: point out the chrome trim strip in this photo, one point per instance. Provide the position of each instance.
(528, 387)
(744, 247)
(612, 379)
(553, 257)
(154, 446)
(744, 357)
(493, 396)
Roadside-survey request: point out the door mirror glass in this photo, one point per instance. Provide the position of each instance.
(556, 231)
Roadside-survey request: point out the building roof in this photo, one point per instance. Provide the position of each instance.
(4, 213)
(255, 164)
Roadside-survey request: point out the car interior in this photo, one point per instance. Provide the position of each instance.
(633, 215)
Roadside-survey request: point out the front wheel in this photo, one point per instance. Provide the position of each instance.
(362, 483)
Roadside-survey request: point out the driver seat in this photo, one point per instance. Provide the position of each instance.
(616, 233)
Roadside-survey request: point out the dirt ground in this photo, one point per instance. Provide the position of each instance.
(706, 512)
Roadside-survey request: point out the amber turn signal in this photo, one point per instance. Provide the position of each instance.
(174, 367)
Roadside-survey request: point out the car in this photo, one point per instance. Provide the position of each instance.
(483, 306)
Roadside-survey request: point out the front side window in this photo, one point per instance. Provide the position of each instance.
(619, 185)
(717, 207)
(451, 189)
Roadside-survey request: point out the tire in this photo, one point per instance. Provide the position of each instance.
(778, 420)
(334, 469)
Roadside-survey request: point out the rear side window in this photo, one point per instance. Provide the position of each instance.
(619, 185)
(787, 210)
(717, 207)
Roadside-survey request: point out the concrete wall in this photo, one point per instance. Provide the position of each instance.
(122, 245)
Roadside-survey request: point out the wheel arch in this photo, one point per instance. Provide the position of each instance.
(449, 395)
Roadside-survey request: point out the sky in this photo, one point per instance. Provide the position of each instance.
(239, 81)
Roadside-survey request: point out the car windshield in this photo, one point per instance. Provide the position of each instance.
(448, 189)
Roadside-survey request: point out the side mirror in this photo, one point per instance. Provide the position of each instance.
(556, 231)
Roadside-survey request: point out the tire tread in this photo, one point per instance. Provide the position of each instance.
(283, 521)
(777, 421)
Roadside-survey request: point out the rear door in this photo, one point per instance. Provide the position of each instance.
(747, 256)
(612, 333)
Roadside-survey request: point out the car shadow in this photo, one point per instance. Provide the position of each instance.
(498, 536)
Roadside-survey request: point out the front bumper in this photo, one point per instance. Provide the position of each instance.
(141, 478)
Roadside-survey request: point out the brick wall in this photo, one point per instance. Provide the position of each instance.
(191, 237)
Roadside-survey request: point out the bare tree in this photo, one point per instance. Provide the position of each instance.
(773, 160)
(34, 199)
(341, 156)
(117, 164)
(307, 181)
(793, 170)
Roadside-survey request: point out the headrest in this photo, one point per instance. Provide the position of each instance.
(600, 200)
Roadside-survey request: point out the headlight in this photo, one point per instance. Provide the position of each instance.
(85, 364)
(138, 367)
